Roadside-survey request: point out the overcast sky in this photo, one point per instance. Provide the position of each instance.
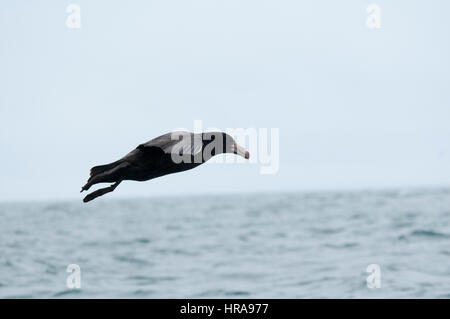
(355, 107)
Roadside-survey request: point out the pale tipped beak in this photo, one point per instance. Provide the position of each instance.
(239, 150)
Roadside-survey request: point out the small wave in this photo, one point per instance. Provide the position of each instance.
(340, 246)
(210, 293)
(214, 293)
(142, 240)
(143, 293)
(237, 293)
(428, 233)
(67, 292)
(147, 280)
(328, 231)
(177, 252)
(422, 233)
(131, 260)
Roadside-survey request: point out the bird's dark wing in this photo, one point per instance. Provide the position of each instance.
(160, 151)
(150, 153)
(179, 142)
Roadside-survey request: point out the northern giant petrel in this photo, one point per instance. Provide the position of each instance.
(169, 153)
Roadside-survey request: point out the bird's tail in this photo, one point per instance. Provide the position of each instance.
(108, 173)
(95, 171)
(102, 168)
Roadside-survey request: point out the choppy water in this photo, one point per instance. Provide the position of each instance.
(273, 246)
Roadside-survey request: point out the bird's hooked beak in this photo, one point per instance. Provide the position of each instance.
(239, 150)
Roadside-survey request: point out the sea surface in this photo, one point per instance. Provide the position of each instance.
(287, 245)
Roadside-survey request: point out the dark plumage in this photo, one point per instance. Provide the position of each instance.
(169, 153)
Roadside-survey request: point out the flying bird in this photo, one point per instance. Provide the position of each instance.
(169, 153)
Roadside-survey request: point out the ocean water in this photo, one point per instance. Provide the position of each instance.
(305, 245)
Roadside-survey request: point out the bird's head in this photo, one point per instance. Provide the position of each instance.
(219, 142)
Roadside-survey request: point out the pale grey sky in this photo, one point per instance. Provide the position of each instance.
(355, 107)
